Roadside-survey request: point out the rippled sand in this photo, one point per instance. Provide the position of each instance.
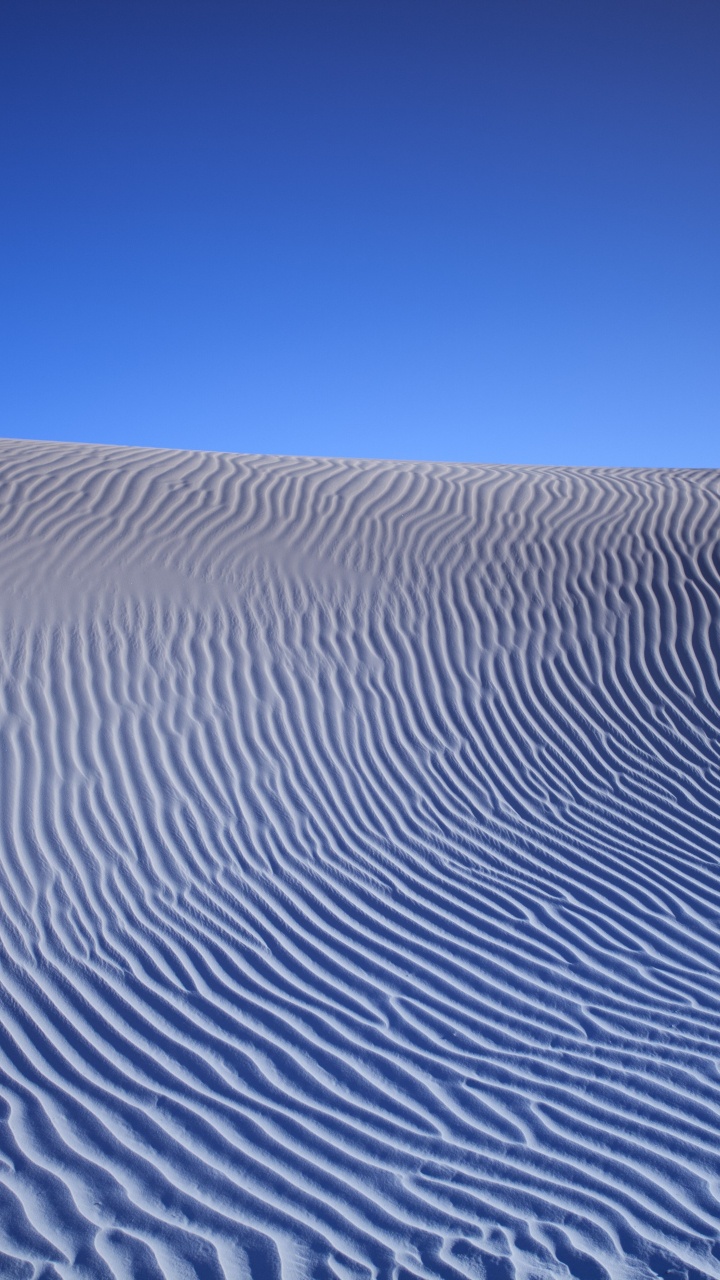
(359, 852)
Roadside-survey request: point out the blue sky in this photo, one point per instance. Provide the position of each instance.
(473, 230)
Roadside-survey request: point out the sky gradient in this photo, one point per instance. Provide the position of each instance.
(468, 231)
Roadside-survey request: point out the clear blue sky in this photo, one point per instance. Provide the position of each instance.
(482, 230)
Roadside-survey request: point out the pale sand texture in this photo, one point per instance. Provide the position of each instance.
(359, 893)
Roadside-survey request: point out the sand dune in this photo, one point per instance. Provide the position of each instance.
(359, 893)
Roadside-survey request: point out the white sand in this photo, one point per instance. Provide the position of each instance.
(359, 893)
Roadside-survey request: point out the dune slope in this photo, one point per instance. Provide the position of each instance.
(359, 893)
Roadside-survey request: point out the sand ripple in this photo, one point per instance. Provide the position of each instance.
(359, 893)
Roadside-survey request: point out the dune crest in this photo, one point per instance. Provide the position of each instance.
(359, 893)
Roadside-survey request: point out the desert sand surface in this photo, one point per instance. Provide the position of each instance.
(359, 852)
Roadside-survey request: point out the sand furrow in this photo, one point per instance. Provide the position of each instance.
(359, 895)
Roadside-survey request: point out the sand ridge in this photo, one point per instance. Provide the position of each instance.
(359, 895)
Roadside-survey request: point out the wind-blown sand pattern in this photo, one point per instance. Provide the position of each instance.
(359, 894)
